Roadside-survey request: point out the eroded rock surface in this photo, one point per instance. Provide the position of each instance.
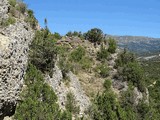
(74, 87)
(4, 7)
(14, 46)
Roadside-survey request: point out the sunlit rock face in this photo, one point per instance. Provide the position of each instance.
(14, 46)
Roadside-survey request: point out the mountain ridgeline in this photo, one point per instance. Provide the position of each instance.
(78, 76)
(142, 46)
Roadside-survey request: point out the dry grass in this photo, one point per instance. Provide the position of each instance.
(91, 84)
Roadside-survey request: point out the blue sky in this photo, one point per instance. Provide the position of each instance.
(117, 17)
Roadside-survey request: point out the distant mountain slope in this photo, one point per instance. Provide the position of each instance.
(138, 44)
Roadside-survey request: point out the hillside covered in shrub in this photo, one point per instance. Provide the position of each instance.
(110, 83)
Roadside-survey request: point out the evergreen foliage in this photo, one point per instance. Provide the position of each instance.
(11, 20)
(31, 19)
(22, 7)
(43, 51)
(78, 54)
(103, 70)
(112, 45)
(75, 34)
(12, 3)
(152, 72)
(57, 36)
(94, 35)
(130, 70)
(71, 104)
(107, 84)
(106, 106)
(38, 99)
(103, 54)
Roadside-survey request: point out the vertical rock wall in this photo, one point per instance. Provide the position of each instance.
(14, 46)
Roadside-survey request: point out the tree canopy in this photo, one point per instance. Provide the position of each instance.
(94, 35)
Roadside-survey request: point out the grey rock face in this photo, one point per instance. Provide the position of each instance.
(74, 87)
(137, 95)
(77, 90)
(4, 7)
(14, 46)
(58, 86)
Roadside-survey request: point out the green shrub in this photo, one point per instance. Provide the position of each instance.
(103, 54)
(32, 22)
(124, 58)
(38, 100)
(107, 84)
(73, 61)
(21, 7)
(63, 63)
(112, 45)
(31, 19)
(86, 63)
(77, 54)
(103, 70)
(94, 35)
(43, 52)
(57, 36)
(130, 70)
(13, 12)
(75, 34)
(143, 110)
(69, 34)
(30, 13)
(71, 104)
(12, 3)
(133, 72)
(8, 22)
(105, 107)
(62, 51)
(65, 67)
(127, 103)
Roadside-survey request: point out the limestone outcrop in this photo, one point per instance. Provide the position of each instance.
(56, 82)
(14, 46)
(4, 8)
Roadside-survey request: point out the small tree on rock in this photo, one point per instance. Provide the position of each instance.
(94, 35)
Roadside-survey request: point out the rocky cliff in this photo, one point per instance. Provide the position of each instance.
(14, 46)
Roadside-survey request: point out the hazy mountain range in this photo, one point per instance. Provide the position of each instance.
(143, 46)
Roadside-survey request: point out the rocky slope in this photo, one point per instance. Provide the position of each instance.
(14, 46)
(85, 84)
(56, 82)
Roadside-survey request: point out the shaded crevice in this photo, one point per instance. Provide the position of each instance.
(8, 109)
